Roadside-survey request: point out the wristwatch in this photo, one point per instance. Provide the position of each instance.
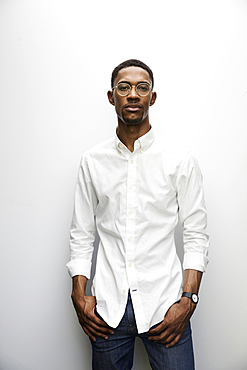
(194, 297)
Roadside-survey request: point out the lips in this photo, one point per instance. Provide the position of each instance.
(133, 107)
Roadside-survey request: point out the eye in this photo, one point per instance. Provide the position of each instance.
(143, 88)
(123, 87)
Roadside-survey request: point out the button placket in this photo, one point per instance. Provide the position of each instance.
(130, 220)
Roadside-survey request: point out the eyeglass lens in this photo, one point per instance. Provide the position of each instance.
(124, 88)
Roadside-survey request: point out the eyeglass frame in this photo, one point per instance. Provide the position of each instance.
(135, 86)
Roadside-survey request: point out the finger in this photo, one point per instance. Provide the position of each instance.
(97, 320)
(93, 332)
(92, 317)
(175, 341)
(165, 337)
(88, 333)
(99, 324)
(157, 338)
(102, 331)
(159, 329)
(161, 339)
(97, 330)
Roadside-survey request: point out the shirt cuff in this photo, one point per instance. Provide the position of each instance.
(79, 267)
(195, 261)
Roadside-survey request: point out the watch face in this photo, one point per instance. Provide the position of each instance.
(194, 298)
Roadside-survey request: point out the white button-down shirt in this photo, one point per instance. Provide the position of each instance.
(135, 200)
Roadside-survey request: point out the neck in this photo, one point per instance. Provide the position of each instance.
(128, 134)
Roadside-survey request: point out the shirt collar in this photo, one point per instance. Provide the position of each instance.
(144, 141)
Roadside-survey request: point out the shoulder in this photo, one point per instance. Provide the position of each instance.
(99, 150)
(98, 155)
(100, 147)
(171, 149)
(176, 155)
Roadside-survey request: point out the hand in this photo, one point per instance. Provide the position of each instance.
(90, 323)
(174, 323)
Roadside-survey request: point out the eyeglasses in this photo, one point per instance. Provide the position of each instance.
(124, 88)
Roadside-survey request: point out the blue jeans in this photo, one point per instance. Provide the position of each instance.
(117, 352)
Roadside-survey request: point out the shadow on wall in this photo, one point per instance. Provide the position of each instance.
(179, 242)
(95, 252)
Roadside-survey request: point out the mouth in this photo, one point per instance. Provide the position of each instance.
(133, 107)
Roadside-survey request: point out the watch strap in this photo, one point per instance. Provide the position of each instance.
(193, 296)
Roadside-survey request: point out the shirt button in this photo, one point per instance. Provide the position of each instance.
(129, 264)
(124, 290)
(130, 238)
(130, 212)
(131, 161)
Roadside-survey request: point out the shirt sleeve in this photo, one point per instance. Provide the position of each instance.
(82, 231)
(192, 214)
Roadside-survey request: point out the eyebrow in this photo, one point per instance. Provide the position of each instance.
(139, 82)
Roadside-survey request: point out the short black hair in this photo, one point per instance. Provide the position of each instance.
(131, 63)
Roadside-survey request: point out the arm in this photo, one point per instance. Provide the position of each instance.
(82, 236)
(85, 310)
(82, 230)
(192, 214)
(179, 314)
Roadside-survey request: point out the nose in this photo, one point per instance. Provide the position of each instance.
(133, 94)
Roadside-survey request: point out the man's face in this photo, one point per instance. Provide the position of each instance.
(132, 109)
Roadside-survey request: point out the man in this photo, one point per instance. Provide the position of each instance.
(134, 187)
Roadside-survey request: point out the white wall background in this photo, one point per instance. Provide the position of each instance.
(56, 57)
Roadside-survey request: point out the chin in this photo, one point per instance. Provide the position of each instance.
(132, 118)
(133, 121)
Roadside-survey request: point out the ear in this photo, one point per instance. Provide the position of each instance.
(153, 99)
(110, 97)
